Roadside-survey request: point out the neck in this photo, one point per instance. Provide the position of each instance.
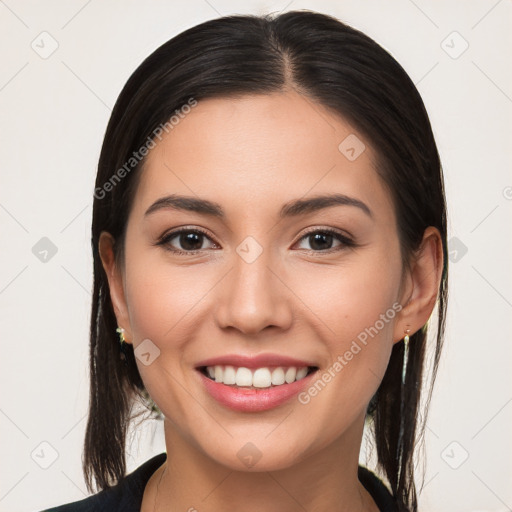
(191, 481)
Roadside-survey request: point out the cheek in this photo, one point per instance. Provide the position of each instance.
(163, 305)
(161, 297)
(350, 297)
(355, 308)
(167, 303)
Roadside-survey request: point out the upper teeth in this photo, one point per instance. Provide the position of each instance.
(259, 377)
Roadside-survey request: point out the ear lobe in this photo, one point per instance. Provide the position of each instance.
(115, 282)
(423, 284)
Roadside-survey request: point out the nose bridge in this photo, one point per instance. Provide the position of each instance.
(252, 298)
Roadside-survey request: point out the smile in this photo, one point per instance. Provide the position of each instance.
(264, 377)
(254, 383)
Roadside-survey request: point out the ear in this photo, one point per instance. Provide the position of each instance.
(421, 285)
(115, 283)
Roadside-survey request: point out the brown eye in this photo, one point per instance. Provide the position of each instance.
(185, 241)
(189, 241)
(322, 240)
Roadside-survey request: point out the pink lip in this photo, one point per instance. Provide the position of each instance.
(259, 361)
(253, 399)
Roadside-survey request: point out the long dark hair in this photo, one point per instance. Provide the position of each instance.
(340, 68)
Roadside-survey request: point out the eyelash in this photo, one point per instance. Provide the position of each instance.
(345, 241)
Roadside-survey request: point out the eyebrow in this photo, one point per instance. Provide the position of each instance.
(290, 209)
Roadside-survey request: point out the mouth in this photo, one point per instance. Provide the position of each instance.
(252, 385)
(256, 378)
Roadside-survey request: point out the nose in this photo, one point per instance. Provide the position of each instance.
(254, 296)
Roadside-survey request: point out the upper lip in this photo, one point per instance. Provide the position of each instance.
(259, 361)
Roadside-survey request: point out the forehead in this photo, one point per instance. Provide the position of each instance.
(238, 151)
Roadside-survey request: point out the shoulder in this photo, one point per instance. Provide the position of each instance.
(377, 490)
(126, 496)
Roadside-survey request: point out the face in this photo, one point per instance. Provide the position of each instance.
(259, 285)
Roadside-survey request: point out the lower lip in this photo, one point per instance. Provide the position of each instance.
(254, 399)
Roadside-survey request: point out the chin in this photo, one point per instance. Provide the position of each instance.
(253, 453)
(252, 460)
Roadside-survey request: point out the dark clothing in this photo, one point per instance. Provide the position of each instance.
(126, 496)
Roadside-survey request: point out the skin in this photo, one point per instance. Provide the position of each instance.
(251, 155)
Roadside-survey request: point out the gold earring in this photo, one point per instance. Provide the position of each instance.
(122, 345)
(406, 354)
(399, 447)
(122, 339)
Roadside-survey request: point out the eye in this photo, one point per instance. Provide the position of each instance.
(190, 240)
(321, 240)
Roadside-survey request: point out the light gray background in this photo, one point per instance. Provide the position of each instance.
(54, 114)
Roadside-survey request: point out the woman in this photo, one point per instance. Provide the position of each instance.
(269, 241)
